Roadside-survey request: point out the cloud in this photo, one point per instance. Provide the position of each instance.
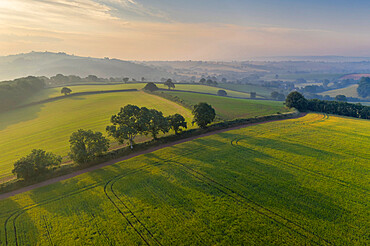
(91, 28)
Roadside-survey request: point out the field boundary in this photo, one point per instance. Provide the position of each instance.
(188, 136)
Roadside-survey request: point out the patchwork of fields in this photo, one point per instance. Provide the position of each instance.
(294, 182)
(231, 108)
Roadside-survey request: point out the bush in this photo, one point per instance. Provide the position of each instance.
(222, 93)
(35, 164)
(151, 87)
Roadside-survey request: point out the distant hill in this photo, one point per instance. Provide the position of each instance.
(49, 64)
(313, 58)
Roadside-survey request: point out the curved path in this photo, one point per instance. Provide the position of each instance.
(74, 174)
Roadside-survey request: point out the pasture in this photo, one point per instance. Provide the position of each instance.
(295, 182)
(350, 91)
(263, 91)
(55, 92)
(48, 126)
(231, 108)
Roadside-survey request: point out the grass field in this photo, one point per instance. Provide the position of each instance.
(230, 108)
(49, 126)
(306, 76)
(55, 92)
(350, 91)
(295, 182)
(264, 91)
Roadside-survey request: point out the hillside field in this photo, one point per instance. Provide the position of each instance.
(55, 92)
(350, 91)
(295, 182)
(263, 91)
(230, 108)
(48, 126)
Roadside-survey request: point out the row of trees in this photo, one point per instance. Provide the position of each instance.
(14, 92)
(298, 101)
(131, 121)
(363, 88)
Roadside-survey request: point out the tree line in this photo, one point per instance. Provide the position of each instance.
(298, 101)
(130, 122)
(12, 93)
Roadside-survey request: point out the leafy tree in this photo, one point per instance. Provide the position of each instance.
(280, 97)
(92, 78)
(60, 78)
(209, 82)
(35, 164)
(204, 114)
(253, 94)
(66, 91)
(127, 124)
(224, 80)
(222, 93)
(296, 100)
(170, 84)
(156, 123)
(363, 88)
(151, 87)
(125, 80)
(142, 79)
(176, 121)
(274, 94)
(86, 145)
(202, 81)
(341, 98)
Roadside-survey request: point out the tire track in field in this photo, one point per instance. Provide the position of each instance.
(16, 214)
(288, 223)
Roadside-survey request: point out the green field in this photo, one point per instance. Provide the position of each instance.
(263, 91)
(48, 126)
(55, 92)
(293, 182)
(350, 91)
(306, 76)
(230, 108)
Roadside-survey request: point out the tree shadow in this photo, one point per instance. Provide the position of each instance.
(19, 115)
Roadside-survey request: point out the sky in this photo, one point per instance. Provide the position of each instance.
(186, 30)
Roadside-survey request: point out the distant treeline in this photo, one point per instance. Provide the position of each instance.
(12, 93)
(340, 108)
(298, 101)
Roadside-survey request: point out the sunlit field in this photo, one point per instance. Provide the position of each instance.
(295, 182)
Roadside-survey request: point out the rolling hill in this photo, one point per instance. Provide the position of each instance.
(50, 64)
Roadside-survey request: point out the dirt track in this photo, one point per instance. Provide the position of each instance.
(71, 175)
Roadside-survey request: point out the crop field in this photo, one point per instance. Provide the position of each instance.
(295, 182)
(231, 108)
(55, 92)
(48, 126)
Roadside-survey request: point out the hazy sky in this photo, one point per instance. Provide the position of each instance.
(188, 29)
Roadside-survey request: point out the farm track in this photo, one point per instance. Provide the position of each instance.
(17, 213)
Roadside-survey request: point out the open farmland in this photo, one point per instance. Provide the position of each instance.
(55, 92)
(231, 108)
(350, 91)
(48, 126)
(263, 91)
(295, 182)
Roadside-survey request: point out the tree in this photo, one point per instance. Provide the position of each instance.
(224, 80)
(151, 87)
(363, 88)
(209, 82)
(170, 84)
(325, 83)
(296, 100)
(253, 94)
(86, 145)
(92, 78)
(125, 80)
(222, 93)
(176, 121)
(341, 98)
(142, 79)
(66, 91)
(204, 114)
(127, 124)
(202, 81)
(274, 94)
(35, 164)
(156, 123)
